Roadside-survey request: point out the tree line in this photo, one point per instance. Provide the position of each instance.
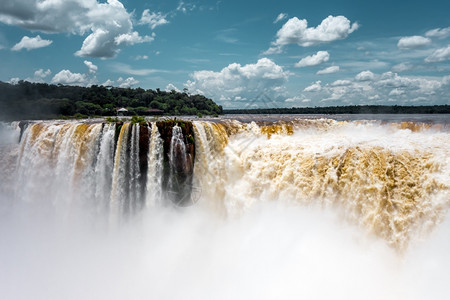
(27, 100)
(353, 109)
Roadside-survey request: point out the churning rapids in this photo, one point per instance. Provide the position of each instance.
(225, 209)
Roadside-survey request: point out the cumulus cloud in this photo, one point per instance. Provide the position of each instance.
(440, 33)
(69, 78)
(31, 43)
(108, 82)
(273, 50)
(439, 55)
(329, 70)
(14, 80)
(280, 17)
(341, 82)
(296, 31)
(365, 76)
(413, 42)
(42, 74)
(102, 21)
(39, 76)
(315, 87)
(382, 88)
(313, 60)
(133, 38)
(153, 19)
(126, 83)
(92, 68)
(170, 87)
(235, 80)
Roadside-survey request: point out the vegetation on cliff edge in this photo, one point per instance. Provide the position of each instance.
(26, 100)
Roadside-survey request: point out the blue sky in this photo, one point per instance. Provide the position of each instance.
(239, 53)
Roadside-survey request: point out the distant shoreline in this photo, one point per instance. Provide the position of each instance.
(354, 109)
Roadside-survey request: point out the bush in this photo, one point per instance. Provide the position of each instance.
(138, 120)
(112, 120)
(80, 116)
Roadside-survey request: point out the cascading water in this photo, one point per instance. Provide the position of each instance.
(393, 182)
(155, 168)
(104, 167)
(285, 208)
(180, 171)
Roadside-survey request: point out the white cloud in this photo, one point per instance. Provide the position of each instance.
(417, 86)
(108, 82)
(170, 87)
(382, 89)
(413, 42)
(42, 74)
(439, 55)
(39, 76)
(153, 19)
(185, 7)
(341, 82)
(313, 60)
(14, 80)
(296, 31)
(92, 68)
(440, 33)
(365, 76)
(133, 38)
(246, 81)
(402, 67)
(329, 70)
(273, 50)
(315, 87)
(102, 21)
(126, 83)
(280, 17)
(396, 92)
(69, 78)
(298, 99)
(30, 43)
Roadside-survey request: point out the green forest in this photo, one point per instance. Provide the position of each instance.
(26, 100)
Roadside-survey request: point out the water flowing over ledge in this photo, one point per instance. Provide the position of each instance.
(392, 178)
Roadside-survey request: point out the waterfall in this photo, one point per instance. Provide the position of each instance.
(177, 154)
(387, 180)
(155, 168)
(277, 209)
(179, 181)
(104, 168)
(119, 191)
(390, 178)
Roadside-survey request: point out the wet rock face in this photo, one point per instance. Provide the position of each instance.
(144, 144)
(179, 155)
(22, 125)
(177, 159)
